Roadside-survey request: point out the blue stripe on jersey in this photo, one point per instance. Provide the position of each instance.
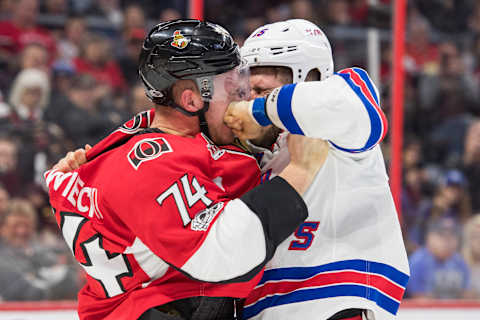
(302, 273)
(284, 109)
(363, 74)
(369, 293)
(259, 112)
(375, 119)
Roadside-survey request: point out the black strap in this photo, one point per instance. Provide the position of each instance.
(347, 313)
(203, 121)
(196, 308)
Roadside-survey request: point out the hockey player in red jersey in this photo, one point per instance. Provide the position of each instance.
(162, 219)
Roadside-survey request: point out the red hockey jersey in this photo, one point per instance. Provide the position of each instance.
(151, 219)
(148, 234)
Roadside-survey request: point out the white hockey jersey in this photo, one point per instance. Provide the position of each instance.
(349, 253)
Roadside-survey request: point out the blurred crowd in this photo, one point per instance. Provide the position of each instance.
(68, 76)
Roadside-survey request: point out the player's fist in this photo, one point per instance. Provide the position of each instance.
(239, 118)
(72, 160)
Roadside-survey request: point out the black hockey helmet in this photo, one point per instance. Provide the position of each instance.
(185, 49)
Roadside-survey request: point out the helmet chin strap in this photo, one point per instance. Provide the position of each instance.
(203, 121)
(200, 113)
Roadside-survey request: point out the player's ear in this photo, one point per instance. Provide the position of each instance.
(191, 100)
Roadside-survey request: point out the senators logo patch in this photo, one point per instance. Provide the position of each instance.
(141, 120)
(147, 149)
(179, 41)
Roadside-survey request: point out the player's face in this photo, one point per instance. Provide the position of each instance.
(228, 87)
(220, 133)
(262, 84)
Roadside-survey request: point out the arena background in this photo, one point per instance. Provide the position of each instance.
(68, 76)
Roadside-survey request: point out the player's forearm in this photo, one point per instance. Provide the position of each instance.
(247, 232)
(299, 178)
(336, 109)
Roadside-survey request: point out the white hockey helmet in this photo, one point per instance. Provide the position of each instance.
(297, 44)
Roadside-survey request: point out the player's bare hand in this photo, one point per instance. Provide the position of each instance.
(307, 153)
(72, 160)
(239, 118)
(307, 156)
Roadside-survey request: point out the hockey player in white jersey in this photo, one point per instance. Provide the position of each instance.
(348, 257)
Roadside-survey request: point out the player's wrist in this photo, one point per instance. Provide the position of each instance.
(258, 110)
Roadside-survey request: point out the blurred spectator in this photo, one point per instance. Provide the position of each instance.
(438, 270)
(6, 8)
(28, 272)
(451, 199)
(35, 56)
(31, 55)
(338, 12)
(412, 153)
(413, 199)
(170, 14)
(129, 62)
(303, 9)
(48, 233)
(446, 15)
(29, 96)
(473, 57)
(474, 19)
(4, 110)
(134, 18)
(276, 13)
(138, 100)
(55, 7)
(10, 177)
(75, 35)
(4, 198)
(62, 74)
(415, 191)
(133, 25)
(471, 252)
(81, 114)
(421, 54)
(22, 29)
(448, 99)
(108, 9)
(471, 162)
(97, 60)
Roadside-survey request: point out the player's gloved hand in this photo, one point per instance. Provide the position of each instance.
(72, 160)
(307, 156)
(239, 118)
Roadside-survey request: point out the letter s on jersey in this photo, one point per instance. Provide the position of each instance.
(147, 149)
(305, 236)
